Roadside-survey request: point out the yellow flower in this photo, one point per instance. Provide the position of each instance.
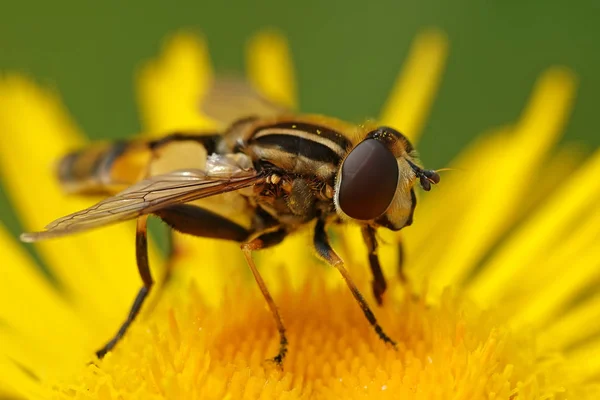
(512, 231)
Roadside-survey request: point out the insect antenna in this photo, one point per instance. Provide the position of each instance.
(426, 176)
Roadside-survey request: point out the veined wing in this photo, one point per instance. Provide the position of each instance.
(146, 197)
(229, 100)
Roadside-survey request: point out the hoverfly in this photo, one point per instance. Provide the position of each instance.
(269, 173)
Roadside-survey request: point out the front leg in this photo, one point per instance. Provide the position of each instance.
(321, 242)
(379, 285)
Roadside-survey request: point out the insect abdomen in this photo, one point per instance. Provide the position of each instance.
(109, 168)
(103, 169)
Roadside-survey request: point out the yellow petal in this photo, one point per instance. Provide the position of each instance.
(567, 330)
(408, 105)
(16, 383)
(549, 108)
(196, 259)
(432, 207)
(584, 361)
(274, 263)
(40, 358)
(170, 89)
(36, 133)
(552, 298)
(542, 231)
(445, 207)
(498, 183)
(551, 288)
(33, 308)
(563, 162)
(270, 68)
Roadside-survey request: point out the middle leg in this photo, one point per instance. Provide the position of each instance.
(261, 242)
(197, 221)
(379, 285)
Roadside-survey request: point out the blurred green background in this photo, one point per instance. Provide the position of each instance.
(347, 55)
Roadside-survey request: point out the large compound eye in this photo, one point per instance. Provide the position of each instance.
(368, 183)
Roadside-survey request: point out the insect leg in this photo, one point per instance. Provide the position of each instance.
(401, 261)
(183, 218)
(197, 221)
(379, 285)
(321, 242)
(141, 251)
(261, 242)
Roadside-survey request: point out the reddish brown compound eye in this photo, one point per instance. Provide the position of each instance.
(368, 183)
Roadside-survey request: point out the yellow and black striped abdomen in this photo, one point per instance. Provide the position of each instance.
(104, 168)
(111, 167)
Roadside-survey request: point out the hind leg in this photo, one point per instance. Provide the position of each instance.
(183, 218)
(141, 252)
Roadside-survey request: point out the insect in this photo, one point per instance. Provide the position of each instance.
(268, 174)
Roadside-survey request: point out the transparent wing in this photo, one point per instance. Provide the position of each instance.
(229, 100)
(148, 196)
